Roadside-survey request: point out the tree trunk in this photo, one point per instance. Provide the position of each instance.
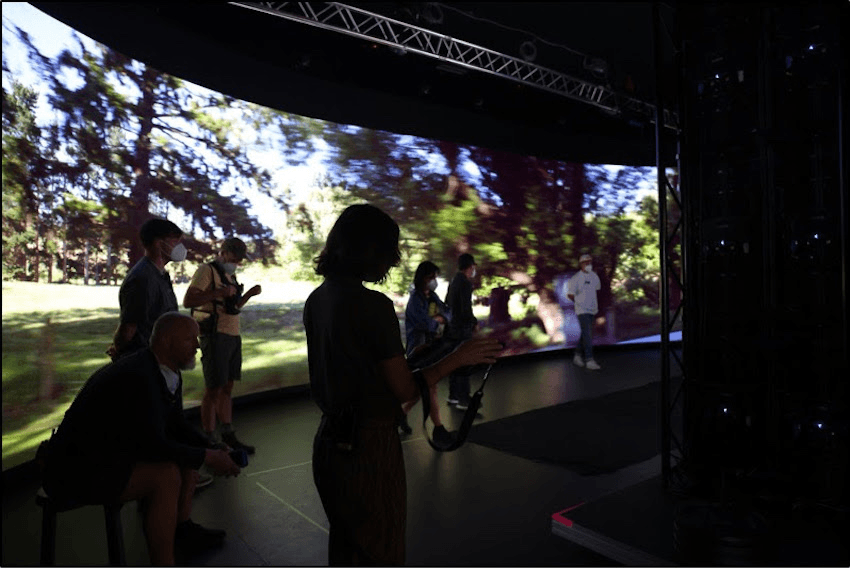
(140, 194)
(97, 268)
(575, 208)
(64, 259)
(550, 313)
(86, 265)
(499, 313)
(109, 268)
(27, 256)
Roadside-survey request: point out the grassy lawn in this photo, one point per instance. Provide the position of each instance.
(55, 337)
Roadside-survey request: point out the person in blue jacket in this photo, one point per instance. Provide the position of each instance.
(425, 320)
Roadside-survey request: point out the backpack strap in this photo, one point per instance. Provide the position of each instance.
(214, 302)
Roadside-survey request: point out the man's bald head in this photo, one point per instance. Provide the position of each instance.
(174, 340)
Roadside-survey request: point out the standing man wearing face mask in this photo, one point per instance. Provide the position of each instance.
(146, 293)
(581, 289)
(463, 324)
(215, 298)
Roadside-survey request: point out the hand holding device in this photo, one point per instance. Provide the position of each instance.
(240, 457)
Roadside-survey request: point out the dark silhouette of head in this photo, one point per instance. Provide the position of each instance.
(465, 261)
(157, 228)
(363, 243)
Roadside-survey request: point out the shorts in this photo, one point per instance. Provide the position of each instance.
(221, 359)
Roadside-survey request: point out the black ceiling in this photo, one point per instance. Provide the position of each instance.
(309, 71)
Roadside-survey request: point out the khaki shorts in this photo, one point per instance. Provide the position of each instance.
(221, 358)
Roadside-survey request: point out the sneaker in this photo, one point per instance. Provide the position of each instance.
(230, 440)
(404, 425)
(205, 477)
(577, 360)
(442, 437)
(191, 539)
(591, 364)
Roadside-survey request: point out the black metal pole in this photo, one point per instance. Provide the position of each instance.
(842, 177)
(664, 408)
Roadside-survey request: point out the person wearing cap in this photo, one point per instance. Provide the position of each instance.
(215, 298)
(581, 289)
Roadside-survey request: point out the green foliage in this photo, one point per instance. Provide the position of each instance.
(137, 142)
(22, 140)
(307, 227)
(636, 277)
(453, 225)
(533, 335)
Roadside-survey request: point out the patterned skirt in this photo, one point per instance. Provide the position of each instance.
(364, 494)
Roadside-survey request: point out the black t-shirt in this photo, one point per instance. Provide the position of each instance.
(349, 330)
(459, 300)
(145, 295)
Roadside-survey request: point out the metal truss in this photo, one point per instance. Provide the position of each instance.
(673, 204)
(366, 25)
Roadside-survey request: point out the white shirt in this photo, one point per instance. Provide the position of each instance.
(172, 378)
(584, 286)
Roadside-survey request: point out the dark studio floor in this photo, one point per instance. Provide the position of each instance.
(472, 507)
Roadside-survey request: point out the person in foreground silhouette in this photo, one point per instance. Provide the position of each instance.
(359, 377)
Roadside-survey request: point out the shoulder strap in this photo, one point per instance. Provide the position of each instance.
(213, 268)
(219, 269)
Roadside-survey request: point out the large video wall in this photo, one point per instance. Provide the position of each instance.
(94, 141)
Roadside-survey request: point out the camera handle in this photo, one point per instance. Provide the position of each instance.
(468, 417)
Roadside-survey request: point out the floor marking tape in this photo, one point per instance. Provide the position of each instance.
(293, 508)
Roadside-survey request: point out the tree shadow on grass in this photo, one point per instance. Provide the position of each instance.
(47, 356)
(72, 347)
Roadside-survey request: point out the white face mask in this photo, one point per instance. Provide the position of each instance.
(432, 285)
(229, 268)
(474, 272)
(178, 253)
(588, 268)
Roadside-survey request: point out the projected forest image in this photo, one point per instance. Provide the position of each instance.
(94, 143)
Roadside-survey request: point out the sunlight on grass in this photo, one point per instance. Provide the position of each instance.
(60, 356)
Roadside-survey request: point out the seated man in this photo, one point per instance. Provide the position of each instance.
(125, 438)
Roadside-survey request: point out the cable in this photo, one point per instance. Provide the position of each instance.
(518, 30)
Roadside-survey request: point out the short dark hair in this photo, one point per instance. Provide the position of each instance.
(156, 228)
(424, 269)
(362, 239)
(465, 261)
(236, 246)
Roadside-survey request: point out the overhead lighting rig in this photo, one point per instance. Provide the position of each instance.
(398, 35)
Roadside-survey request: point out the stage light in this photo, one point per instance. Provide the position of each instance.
(432, 13)
(528, 51)
(596, 65)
